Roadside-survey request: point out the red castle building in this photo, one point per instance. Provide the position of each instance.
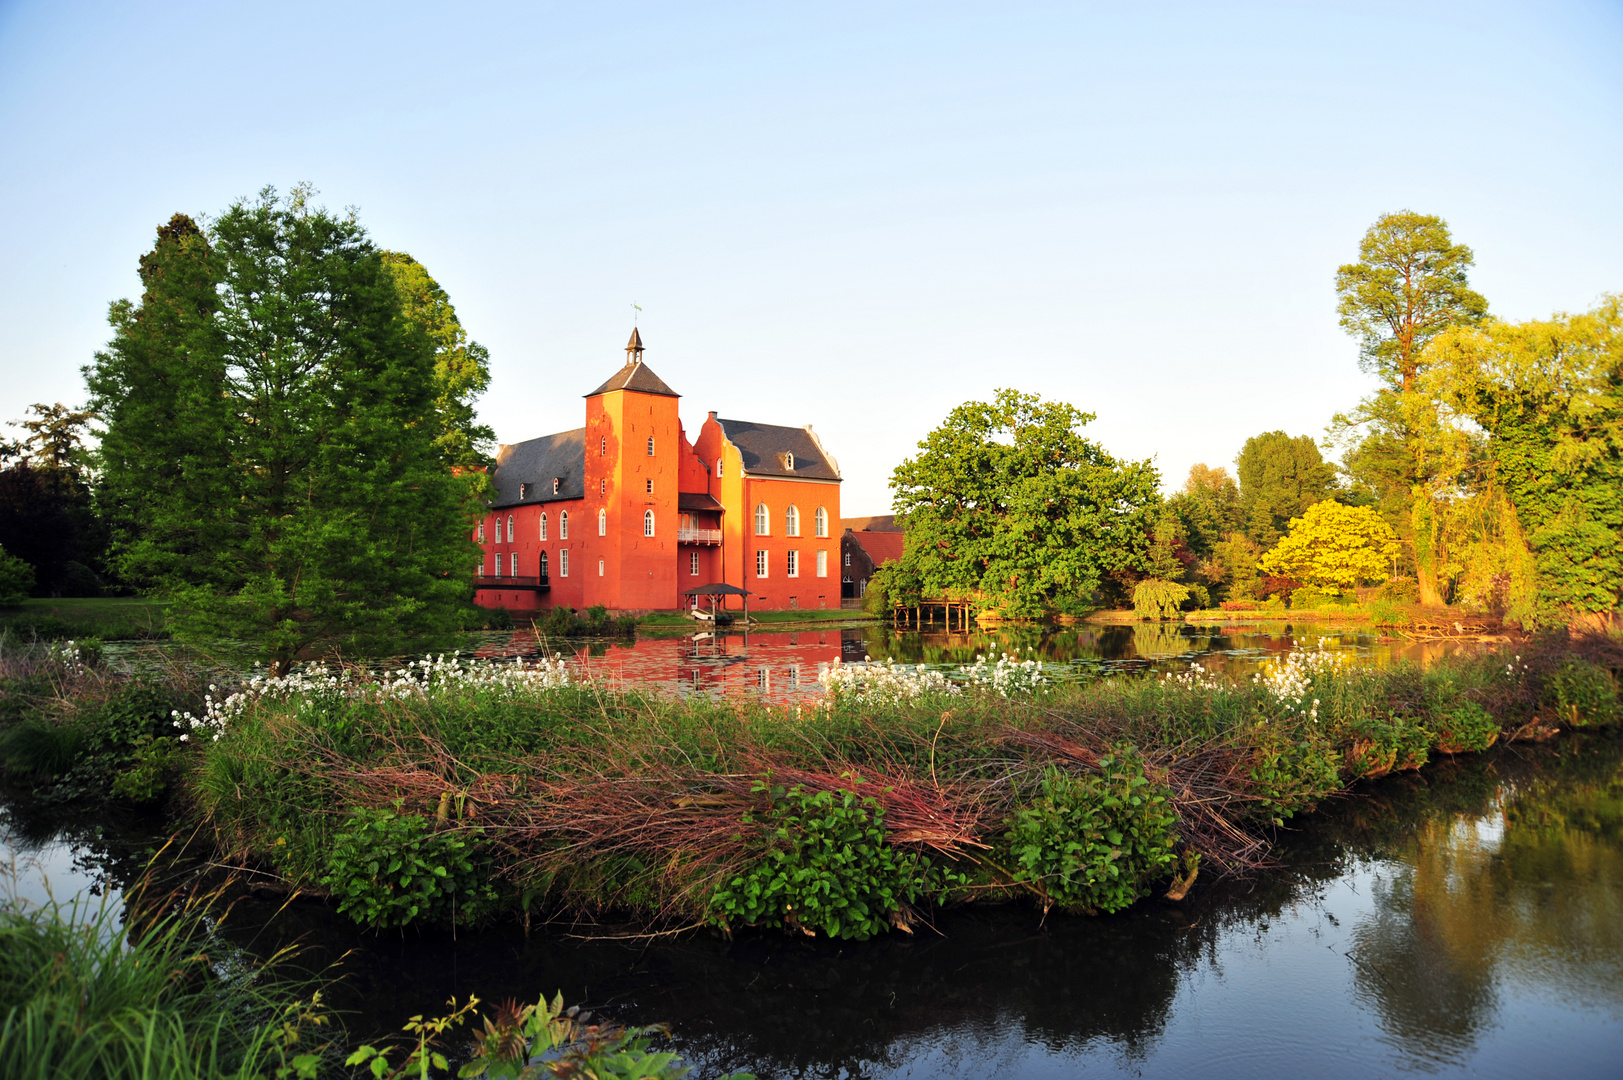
(626, 513)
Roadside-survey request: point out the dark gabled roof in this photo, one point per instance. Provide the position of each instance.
(536, 462)
(762, 447)
(687, 500)
(637, 376)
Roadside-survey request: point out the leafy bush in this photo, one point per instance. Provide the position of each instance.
(1291, 770)
(1383, 744)
(1466, 728)
(1400, 590)
(146, 777)
(1242, 605)
(1157, 599)
(1312, 598)
(1094, 842)
(390, 869)
(1383, 612)
(16, 579)
(1583, 694)
(827, 867)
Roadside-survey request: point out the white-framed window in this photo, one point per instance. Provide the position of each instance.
(498, 564)
(791, 564)
(543, 526)
(600, 568)
(603, 486)
(718, 467)
(789, 462)
(563, 562)
(510, 528)
(820, 522)
(602, 523)
(650, 446)
(481, 530)
(563, 526)
(523, 492)
(648, 486)
(763, 520)
(648, 523)
(822, 564)
(603, 446)
(543, 564)
(848, 558)
(557, 484)
(512, 563)
(693, 564)
(791, 521)
(760, 562)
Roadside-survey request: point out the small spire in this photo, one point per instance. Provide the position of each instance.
(634, 348)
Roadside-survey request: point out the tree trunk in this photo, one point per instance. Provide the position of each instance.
(1428, 555)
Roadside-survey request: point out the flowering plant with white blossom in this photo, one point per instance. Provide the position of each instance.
(887, 682)
(428, 678)
(1292, 680)
(1008, 677)
(1196, 677)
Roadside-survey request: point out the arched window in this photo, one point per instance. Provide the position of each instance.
(789, 462)
(600, 568)
(543, 564)
(543, 526)
(763, 520)
(498, 564)
(648, 523)
(563, 524)
(650, 446)
(509, 528)
(481, 530)
(820, 522)
(602, 523)
(791, 521)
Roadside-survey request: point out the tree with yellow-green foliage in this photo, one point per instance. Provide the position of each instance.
(1334, 546)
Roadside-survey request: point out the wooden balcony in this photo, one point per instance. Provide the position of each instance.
(534, 584)
(698, 536)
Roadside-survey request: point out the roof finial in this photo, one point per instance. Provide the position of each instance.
(634, 348)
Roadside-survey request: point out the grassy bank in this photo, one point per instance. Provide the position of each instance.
(468, 792)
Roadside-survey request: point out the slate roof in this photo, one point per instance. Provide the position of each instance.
(882, 547)
(762, 447)
(637, 376)
(536, 462)
(690, 501)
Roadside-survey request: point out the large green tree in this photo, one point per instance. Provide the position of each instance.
(48, 515)
(1280, 477)
(1408, 286)
(461, 366)
(1008, 500)
(270, 457)
(1549, 395)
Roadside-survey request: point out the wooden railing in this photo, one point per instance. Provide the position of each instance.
(698, 536)
(508, 581)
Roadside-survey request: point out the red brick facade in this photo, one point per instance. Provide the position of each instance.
(627, 513)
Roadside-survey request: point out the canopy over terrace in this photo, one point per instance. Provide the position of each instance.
(714, 591)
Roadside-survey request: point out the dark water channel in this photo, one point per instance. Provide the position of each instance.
(1463, 921)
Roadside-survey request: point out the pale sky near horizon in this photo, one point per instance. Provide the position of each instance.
(853, 216)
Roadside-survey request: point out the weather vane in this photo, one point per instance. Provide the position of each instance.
(636, 311)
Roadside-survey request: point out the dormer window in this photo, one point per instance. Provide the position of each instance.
(557, 484)
(523, 492)
(789, 462)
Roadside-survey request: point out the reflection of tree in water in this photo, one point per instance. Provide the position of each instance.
(1526, 886)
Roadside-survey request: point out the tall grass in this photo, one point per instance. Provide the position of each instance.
(82, 996)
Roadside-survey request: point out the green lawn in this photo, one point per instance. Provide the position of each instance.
(109, 618)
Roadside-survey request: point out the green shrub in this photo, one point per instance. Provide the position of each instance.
(390, 869)
(1466, 728)
(626, 626)
(827, 867)
(1291, 771)
(1582, 694)
(147, 775)
(1312, 598)
(37, 746)
(1400, 591)
(1389, 743)
(1094, 842)
(137, 712)
(16, 579)
(1157, 599)
(1383, 612)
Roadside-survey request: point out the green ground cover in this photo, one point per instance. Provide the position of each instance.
(107, 618)
(469, 792)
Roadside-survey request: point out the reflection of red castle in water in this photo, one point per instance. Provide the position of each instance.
(626, 513)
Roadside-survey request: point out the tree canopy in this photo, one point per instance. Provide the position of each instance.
(1334, 546)
(1280, 477)
(270, 458)
(1549, 395)
(1007, 499)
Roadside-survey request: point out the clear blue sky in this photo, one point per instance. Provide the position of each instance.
(851, 216)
